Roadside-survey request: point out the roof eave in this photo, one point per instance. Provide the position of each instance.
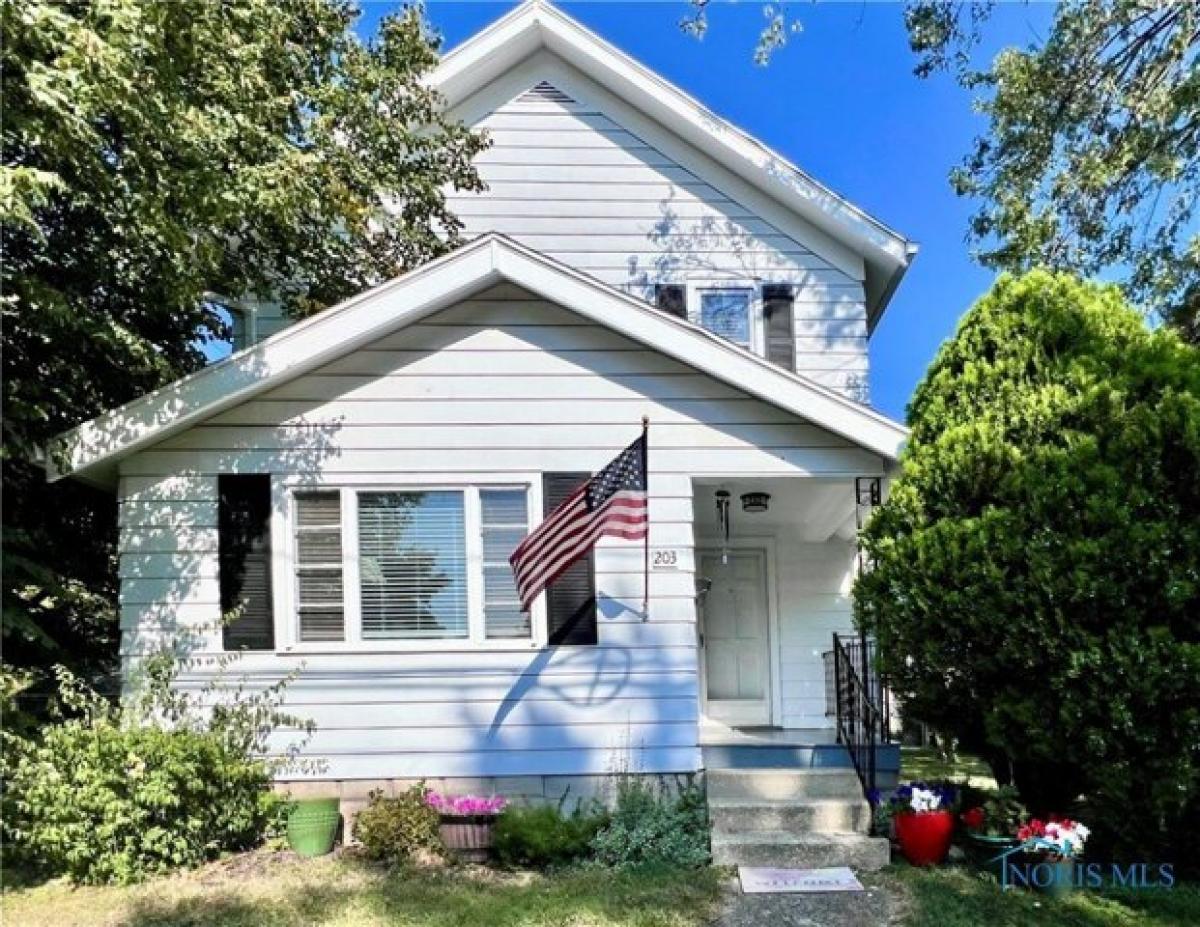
(92, 450)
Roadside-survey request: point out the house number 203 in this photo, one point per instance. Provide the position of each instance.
(665, 559)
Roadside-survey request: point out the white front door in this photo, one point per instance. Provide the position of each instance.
(737, 682)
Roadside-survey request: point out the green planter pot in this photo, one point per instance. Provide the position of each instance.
(313, 825)
(987, 852)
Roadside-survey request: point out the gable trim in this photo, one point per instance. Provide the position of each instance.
(92, 451)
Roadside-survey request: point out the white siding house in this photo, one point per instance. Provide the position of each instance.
(632, 256)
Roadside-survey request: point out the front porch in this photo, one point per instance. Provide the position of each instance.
(724, 747)
(775, 563)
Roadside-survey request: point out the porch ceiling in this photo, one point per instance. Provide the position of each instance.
(815, 508)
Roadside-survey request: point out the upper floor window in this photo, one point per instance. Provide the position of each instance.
(756, 316)
(729, 311)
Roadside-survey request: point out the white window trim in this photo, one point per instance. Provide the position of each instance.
(287, 621)
(758, 328)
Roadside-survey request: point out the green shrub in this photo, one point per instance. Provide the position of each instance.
(103, 803)
(397, 829)
(650, 826)
(116, 793)
(1035, 590)
(542, 836)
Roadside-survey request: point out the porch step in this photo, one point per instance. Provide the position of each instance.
(776, 756)
(806, 816)
(807, 851)
(782, 784)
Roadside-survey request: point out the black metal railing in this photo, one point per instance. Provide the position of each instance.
(877, 690)
(860, 704)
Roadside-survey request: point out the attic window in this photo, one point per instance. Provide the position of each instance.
(544, 92)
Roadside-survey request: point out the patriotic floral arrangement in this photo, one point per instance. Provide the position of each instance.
(466, 805)
(1060, 838)
(913, 798)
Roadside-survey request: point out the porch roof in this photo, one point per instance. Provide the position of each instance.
(92, 450)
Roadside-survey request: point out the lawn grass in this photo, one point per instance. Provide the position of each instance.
(279, 890)
(956, 896)
(925, 763)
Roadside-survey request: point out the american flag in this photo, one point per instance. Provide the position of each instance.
(612, 503)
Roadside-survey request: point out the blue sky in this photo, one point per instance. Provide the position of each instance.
(840, 100)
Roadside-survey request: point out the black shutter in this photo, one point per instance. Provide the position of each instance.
(777, 311)
(671, 298)
(570, 599)
(244, 525)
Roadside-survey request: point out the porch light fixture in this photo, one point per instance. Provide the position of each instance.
(756, 501)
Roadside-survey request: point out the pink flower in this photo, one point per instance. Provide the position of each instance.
(466, 805)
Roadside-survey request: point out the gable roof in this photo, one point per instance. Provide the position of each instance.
(92, 450)
(536, 25)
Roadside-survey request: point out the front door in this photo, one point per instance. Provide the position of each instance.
(737, 683)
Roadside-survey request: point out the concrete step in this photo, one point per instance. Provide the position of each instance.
(804, 851)
(782, 784)
(775, 756)
(803, 816)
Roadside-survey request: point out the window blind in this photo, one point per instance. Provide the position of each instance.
(412, 564)
(319, 566)
(504, 522)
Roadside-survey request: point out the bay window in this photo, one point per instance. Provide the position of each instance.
(403, 566)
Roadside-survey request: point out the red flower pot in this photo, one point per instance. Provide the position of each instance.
(925, 837)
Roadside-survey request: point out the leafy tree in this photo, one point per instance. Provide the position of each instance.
(1091, 161)
(1036, 580)
(157, 153)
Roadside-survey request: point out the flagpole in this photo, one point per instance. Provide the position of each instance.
(646, 544)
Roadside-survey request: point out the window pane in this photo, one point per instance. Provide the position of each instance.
(504, 515)
(726, 313)
(321, 624)
(412, 564)
(315, 509)
(319, 602)
(319, 546)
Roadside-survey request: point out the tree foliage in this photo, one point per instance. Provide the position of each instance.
(1091, 160)
(1036, 581)
(160, 156)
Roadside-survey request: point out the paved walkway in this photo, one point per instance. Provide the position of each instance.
(876, 907)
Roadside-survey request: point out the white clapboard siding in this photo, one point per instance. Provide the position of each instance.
(814, 602)
(582, 183)
(574, 760)
(503, 738)
(502, 383)
(572, 181)
(551, 709)
(436, 700)
(800, 461)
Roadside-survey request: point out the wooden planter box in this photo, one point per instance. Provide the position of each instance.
(468, 836)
